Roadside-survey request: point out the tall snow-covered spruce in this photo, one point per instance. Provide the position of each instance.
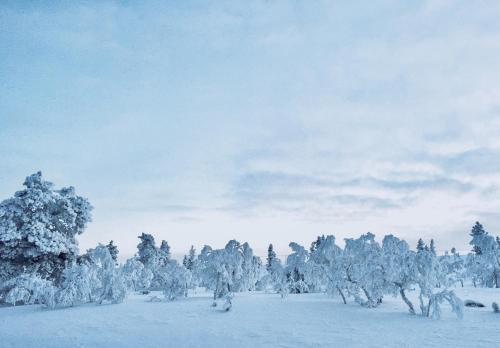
(38, 229)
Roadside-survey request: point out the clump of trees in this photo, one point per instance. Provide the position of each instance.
(39, 263)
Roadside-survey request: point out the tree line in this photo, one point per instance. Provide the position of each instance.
(40, 263)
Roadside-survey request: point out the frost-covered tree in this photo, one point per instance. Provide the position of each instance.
(420, 245)
(165, 251)
(77, 286)
(364, 271)
(174, 280)
(38, 229)
(271, 257)
(432, 247)
(399, 268)
(147, 251)
(454, 266)
(191, 259)
(316, 244)
(483, 263)
(296, 268)
(153, 258)
(275, 276)
(221, 270)
(136, 275)
(477, 233)
(431, 274)
(113, 251)
(327, 260)
(250, 269)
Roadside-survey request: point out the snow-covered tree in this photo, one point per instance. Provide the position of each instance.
(399, 268)
(275, 274)
(77, 286)
(432, 247)
(191, 259)
(38, 229)
(113, 251)
(328, 270)
(477, 233)
(190, 262)
(364, 271)
(174, 280)
(430, 275)
(454, 266)
(147, 251)
(420, 245)
(221, 270)
(136, 275)
(484, 262)
(250, 269)
(271, 257)
(165, 251)
(153, 258)
(296, 268)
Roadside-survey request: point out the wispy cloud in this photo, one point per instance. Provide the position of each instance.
(377, 117)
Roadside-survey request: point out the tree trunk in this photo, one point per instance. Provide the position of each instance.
(342, 294)
(428, 314)
(407, 301)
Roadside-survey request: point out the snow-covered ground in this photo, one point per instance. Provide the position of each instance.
(256, 320)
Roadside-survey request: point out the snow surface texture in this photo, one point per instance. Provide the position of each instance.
(256, 320)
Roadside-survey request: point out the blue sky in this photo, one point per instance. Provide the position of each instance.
(264, 121)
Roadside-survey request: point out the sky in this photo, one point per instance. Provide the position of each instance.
(263, 121)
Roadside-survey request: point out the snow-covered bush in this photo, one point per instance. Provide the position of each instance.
(96, 280)
(174, 280)
(28, 289)
(38, 227)
(136, 275)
